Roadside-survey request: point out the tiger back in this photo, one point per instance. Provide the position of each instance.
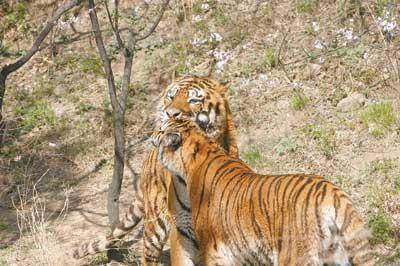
(242, 218)
(203, 101)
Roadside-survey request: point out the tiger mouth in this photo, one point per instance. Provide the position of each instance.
(202, 119)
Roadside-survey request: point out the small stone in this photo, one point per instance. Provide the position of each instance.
(352, 102)
(314, 69)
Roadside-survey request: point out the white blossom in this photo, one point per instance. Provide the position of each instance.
(64, 24)
(216, 37)
(197, 18)
(197, 41)
(347, 35)
(315, 26)
(205, 6)
(263, 77)
(222, 57)
(318, 44)
(387, 22)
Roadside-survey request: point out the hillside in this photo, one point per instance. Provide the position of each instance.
(314, 87)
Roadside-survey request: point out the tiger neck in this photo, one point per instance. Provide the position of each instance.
(202, 170)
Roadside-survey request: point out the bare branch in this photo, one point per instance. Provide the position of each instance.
(126, 78)
(155, 24)
(114, 26)
(103, 55)
(7, 69)
(118, 100)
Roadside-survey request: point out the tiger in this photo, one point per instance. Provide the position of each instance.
(204, 101)
(240, 217)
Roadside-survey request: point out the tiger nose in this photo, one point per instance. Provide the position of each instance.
(173, 112)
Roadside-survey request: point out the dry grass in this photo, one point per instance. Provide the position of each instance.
(38, 243)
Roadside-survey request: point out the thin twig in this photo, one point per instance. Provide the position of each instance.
(155, 24)
(103, 54)
(114, 27)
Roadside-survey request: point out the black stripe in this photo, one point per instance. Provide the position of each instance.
(204, 182)
(184, 207)
(181, 180)
(185, 234)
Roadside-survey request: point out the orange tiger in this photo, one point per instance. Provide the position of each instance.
(243, 218)
(204, 101)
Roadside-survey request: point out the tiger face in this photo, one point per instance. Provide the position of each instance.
(179, 141)
(199, 99)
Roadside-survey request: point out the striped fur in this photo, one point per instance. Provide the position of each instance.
(201, 100)
(243, 218)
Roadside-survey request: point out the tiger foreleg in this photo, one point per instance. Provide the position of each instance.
(183, 250)
(154, 238)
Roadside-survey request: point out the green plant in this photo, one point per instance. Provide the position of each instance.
(326, 138)
(270, 58)
(286, 145)
(382, 228)
(16, 16)
(252, 156)
(201, 26)
(298, 101)
(367, 75)
(308, 30)
(238, 34)
(221, 17)
(43, 89)
(3, 226)
(99, 259)
(350, 55)
(36, 114)
(349, 9)
(307, 6)
(397, 184)
(4, 50)
(4, 254)
(343, 182)
(381, 114)
(381, 5)
(180, 53)
(395, 257)
(84, 108)
(73, 149)
(69, 61)
(92, 65)
(383, 166)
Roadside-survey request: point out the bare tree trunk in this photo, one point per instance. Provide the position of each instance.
(8, 69)
(118, 117)
(118, 102)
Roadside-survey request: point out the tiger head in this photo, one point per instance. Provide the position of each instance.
(199, 99)
(180, 143)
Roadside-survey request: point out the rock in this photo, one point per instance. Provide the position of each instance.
(314, 69)
(352, 102)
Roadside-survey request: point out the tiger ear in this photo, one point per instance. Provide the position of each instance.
(223, 87)
(173, 140)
